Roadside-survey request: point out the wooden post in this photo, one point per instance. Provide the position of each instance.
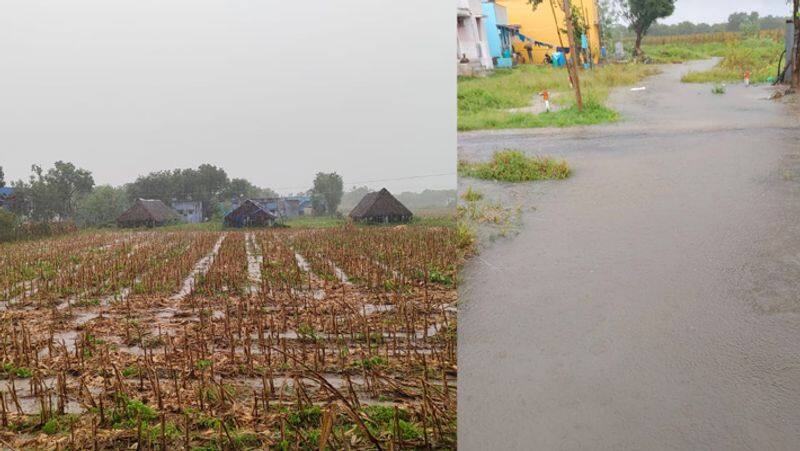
(795, 75)
(572, 63)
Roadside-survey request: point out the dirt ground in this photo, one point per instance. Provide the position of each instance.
(652, 300)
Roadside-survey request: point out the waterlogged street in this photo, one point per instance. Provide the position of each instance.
(652, 300)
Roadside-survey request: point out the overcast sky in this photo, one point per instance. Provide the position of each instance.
(270, 90)
(716, 11)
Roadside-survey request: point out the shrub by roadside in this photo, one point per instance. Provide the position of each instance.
(514, 166)
(758, 56)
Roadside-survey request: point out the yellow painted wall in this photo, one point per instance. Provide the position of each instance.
(539, 24)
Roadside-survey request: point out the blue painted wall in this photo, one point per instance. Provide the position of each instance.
(492, 33)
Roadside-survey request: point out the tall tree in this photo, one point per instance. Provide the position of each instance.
(69, 184)
(326, 195)
(52, 194)
(642, 14)
(242, 188)
(102, 206)
(208, 183)
(2, 178)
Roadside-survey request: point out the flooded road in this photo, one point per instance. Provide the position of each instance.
(651, 301)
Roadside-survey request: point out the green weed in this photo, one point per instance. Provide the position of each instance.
(514, 166)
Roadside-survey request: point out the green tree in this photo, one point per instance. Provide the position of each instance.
(327, 193)
(207, 184)
(8, 225)
(642, 14)
(52, 194)
(102, 206)
(2, 178)
(735, 21)
(242, 188)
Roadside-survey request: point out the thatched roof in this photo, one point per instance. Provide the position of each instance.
(148, 211)
(380, 205)
(250, 214)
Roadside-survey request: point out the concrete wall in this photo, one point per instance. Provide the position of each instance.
(191, 212)
(471, 36)
(492, 33)
(539, 25)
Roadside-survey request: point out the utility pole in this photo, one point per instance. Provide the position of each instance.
(572, 63)
(795, 75)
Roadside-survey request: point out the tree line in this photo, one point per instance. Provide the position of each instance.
(66, 192)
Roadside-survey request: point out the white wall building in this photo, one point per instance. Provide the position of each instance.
(473, 49)
(190, 211)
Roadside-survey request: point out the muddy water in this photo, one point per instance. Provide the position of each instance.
(652, 301)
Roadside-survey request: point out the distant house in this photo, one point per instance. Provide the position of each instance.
(473, 50)
(191, 211)
(539, 28)
(304, 207)
(281, 207)
(148, 213)
(381, 207)
(6, 197)
(250, 214)
(500, 35)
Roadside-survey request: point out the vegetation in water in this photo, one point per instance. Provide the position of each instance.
(515, 166)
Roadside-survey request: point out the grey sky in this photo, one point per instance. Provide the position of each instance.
(272, 91)
(715, 11)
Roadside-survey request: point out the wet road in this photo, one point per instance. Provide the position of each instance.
(652, 301)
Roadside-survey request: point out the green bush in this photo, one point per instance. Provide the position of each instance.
(8, 225)
(514, 166)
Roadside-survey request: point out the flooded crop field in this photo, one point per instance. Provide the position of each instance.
(283, 338)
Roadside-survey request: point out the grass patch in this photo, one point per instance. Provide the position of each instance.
(483, 102)
(593, 113)
(514, 166)
(678, 53)
(759, 56)
(434, 221)
(208, 226)
(718, 89)
(315, 222)
(472, 195)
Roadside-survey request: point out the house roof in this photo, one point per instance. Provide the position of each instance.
(148, 210)
(378, 204)
(249, 207)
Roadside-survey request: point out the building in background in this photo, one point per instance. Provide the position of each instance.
(148, 213)
(500, 35)
(380, 207)
(544, 33)
(191, 211)
(305, 206)
(280, 207)
(6, 197)
(250, 213)
(473, 55)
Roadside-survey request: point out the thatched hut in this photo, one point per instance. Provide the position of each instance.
(381, 207)
(148, 213)
(250, 214)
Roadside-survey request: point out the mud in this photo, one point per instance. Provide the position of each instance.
(651, 301)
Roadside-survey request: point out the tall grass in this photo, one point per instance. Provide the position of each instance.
(701, 38)
(680, 52)
(514, 166)
(483, 102)
(758, 56)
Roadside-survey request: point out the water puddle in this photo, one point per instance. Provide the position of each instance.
(200, 269)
